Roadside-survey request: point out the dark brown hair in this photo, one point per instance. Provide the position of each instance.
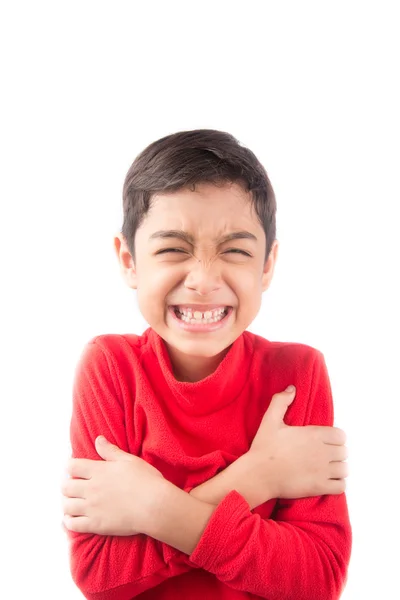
(185, 158)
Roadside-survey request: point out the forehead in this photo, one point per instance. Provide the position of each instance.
(209, 210)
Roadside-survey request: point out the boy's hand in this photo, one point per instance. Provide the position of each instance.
(296, 462)
(112, 496)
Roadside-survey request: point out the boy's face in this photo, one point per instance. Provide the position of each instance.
(199, 273)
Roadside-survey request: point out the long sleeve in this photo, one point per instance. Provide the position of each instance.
(300, 553)
(110, 567)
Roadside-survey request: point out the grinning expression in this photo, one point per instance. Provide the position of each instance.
(193, 264)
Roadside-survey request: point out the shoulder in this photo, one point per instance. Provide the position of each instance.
(109, 365)
(114, 349)
(117, 342)
(284, 354)
(278, 364)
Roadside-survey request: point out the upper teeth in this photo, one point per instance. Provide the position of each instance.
(209, 314)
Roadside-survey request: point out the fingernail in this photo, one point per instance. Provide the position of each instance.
(290, 388)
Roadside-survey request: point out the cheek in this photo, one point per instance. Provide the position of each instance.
(247, 286)
(247, 283)
(154, 284)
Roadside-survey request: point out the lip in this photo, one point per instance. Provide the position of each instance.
(201, 307)
(200, 328)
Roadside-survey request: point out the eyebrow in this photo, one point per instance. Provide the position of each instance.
(187, 237)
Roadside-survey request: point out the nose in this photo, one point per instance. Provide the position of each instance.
(204, 277)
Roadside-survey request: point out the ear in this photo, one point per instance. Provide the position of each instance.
(125, 260)
(269, 266)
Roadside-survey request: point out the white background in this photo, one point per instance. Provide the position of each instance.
(312, 89)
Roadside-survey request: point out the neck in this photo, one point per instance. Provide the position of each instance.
(193, 368)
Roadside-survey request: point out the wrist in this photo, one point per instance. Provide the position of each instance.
(155, 505)
(260, 481)
(177, 519)
(215, 489)
(247, 475)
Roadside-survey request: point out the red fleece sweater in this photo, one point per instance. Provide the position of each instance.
(124, 388)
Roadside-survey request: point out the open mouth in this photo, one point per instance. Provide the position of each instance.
(201, 318)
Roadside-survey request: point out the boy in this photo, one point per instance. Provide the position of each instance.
(200, 489)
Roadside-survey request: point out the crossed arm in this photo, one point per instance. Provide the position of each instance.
(181, 518)
(302, 553)
(123, 495)
(270, 558)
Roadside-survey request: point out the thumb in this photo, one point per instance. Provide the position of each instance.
(109, 451)
(278, 406)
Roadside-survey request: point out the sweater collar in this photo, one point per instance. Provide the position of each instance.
(217, 390)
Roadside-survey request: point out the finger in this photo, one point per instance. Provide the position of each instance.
(73, 507)
(81, 467)
(334, 436)
(338, 470)
(74, 488)
(337, 453)
(335, 486)
(78, 524)
(277, 408)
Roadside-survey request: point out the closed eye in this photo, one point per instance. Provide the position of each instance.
(170, 250)
(175, 250)
(238, 251)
